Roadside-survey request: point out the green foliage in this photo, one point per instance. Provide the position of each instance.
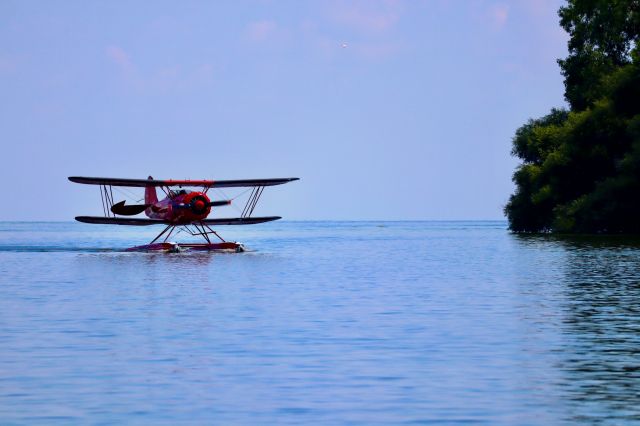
(536, 139)
(603, 32)
(581, 168)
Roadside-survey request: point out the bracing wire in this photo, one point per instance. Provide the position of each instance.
(223, 195)
(129, 194)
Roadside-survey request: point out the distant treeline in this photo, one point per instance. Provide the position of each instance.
(580, 170)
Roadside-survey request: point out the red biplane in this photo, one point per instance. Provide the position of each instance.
(181, 208)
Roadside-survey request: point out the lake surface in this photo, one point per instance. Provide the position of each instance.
(321, 323)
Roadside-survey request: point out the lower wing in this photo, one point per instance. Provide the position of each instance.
(146, 222)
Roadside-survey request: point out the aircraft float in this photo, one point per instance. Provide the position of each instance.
(181, 208)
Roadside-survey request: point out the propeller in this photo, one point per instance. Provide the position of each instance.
(199, 204)
(219, 203)
(132, 210)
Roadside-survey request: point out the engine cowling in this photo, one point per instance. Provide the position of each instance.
(199, 204)
(195, 205)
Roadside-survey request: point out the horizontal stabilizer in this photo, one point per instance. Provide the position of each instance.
(205, 183)
(131, 210)
(135, 221)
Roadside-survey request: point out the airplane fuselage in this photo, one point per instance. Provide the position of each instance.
(181, 207)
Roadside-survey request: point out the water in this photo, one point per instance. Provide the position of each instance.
(322, 323)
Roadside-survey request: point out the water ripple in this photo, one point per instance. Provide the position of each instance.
(323, 322)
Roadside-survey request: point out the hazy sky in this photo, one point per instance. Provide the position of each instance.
(386, 109)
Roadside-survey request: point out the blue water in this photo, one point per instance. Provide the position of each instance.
(321, 323)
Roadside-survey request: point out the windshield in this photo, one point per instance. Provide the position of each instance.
(175, 193)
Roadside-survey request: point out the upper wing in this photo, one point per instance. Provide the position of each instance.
(171, 182)
(250, 182)
(145, 222)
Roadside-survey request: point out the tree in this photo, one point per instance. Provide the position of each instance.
(580, 168)
(602, 34)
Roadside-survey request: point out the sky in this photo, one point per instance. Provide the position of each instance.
(386, 109)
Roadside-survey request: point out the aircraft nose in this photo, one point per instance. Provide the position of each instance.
(199, 205)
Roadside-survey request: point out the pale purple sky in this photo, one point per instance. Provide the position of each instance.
(387, 109)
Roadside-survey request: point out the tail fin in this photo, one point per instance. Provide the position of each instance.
(150, 196)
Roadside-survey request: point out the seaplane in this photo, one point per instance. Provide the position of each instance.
(181, 208)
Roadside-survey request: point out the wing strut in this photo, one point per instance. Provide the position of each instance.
(162, 233)
(256, 192)
(106, 196)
